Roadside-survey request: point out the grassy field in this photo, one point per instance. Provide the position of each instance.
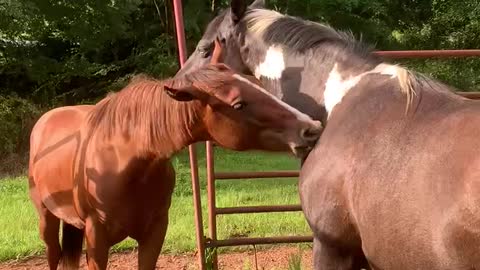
(18, 221)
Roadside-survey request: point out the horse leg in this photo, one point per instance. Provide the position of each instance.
(49, 232)
(150, 245)
(49, 227)
(97, 244)
(326, 257)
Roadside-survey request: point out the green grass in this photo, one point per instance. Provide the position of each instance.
(19, 228)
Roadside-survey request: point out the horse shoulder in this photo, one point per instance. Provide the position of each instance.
(324, 197)
(120, 186)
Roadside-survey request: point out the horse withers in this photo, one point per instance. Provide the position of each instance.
(105, 170)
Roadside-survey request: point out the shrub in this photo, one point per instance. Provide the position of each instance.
(17, 117)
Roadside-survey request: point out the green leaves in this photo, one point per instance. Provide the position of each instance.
(58, 52)
(16, 118)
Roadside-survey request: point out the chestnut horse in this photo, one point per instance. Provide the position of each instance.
(394, 181)
(105, 170)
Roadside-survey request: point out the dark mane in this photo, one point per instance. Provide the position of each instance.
(425, 82)
(299, 34)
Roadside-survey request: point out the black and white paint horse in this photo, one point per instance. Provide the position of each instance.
(393, 182)
(292, 57)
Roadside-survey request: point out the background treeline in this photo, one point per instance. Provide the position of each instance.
(55, 53)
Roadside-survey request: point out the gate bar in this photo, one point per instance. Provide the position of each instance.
(260, 241)
(197, 204)
(258, 209)
(249, 175)
(428, 53)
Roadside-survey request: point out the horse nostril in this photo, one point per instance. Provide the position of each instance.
(310, 134)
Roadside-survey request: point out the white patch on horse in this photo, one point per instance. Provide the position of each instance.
(336, 87)
(386, 69)
(300, 116)
(273, 65)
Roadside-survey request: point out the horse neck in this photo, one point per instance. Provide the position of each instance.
(152, 123)
(302, 81)
(179, 126)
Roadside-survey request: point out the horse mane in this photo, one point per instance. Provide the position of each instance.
(144, 113)
(299, 34)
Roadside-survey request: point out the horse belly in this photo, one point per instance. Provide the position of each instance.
(459, 236)
(411, 227)
(411, 244)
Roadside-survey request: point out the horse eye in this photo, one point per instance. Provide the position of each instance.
(239, 105)
(205, 53)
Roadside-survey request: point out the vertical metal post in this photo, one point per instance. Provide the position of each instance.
(197, 203)
(212, 220)
(180, 31)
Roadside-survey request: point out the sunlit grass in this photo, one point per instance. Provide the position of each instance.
(19, 234)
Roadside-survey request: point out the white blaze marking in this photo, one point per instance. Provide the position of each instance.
(300, 116)
(336, 87)
(273, 65)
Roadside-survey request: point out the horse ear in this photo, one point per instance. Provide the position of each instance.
(257, 4)
(217, 55)
(238, 8)
(184, 93)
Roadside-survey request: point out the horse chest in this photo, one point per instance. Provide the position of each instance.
(323, 197)
(129, 200)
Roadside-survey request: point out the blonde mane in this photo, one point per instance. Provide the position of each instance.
(406, 79)
(299, 34)
(258, 20)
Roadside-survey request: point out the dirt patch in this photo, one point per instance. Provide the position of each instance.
(267, 259)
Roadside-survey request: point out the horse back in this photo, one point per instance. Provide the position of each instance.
(54, 142)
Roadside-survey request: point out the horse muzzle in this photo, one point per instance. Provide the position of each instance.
(306, 140)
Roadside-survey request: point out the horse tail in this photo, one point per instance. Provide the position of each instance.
(72, 243)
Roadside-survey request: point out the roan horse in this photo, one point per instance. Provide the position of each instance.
(393, 182)
(112, 177)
